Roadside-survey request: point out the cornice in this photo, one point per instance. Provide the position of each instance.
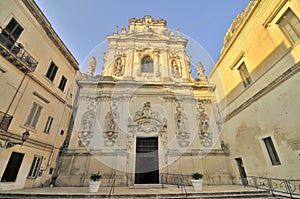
(53, 93)
(280, 79)
(274, 13)
(40, 17)
(235, 29)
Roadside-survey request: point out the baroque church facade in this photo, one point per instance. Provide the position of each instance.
(145, 118)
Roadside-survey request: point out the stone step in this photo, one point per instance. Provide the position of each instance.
(210, 195)
(148, 186)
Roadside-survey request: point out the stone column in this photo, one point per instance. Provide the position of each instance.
(138, 63)
(156, 63)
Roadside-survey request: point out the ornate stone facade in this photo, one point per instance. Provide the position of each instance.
(145, 104)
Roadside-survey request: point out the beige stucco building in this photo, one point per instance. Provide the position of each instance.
(144, 119)
(257, 90)
(36, 77)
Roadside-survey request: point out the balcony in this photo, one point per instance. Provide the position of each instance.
(16, 54)
(5, 121)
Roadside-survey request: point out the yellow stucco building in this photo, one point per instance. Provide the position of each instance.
(257, 90)
(36, 76)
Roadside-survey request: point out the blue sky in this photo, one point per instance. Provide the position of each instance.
(83, 24)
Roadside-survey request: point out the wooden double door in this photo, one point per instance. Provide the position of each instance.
(146, 168)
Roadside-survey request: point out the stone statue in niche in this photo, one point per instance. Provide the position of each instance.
(119, 66)
(182, 133)
(87, 130)
(204, 134)
(92, 66)
(111, 133)
(175, 68)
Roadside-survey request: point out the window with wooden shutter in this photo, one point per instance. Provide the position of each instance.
(34, 115)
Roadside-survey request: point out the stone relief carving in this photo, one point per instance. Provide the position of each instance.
(119, 66)
(87, 128)
(148, 121)
(111, 133)
(87, 124)
(145, 118)
(204, 134)
(182, 131)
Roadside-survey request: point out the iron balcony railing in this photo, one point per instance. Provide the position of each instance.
(281, 187)
(17, 55)
(5, 121)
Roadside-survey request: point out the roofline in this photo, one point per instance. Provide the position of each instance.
(252, 5)
(41, 18)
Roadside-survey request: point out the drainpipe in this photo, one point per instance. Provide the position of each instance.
(13, 99)
(58, 160)
(60, 123)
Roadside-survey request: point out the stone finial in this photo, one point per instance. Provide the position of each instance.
(92, 66)
(116, 30)
(123, 30)
(200, 70)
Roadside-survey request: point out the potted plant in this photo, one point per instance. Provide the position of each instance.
(94, 182)
(197, 181)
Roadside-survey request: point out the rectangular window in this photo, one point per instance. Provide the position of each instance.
(244, 75)
(62, 83)
(271, 151)
(12, 168)
(34, 115)
(51, 71)
(35, 167)
(13, 30)
(290, 25)
(48, 124)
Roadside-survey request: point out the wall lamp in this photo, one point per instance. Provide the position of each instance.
(8, 143)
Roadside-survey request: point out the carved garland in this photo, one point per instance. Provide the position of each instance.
(182, 131)
(204, 134)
